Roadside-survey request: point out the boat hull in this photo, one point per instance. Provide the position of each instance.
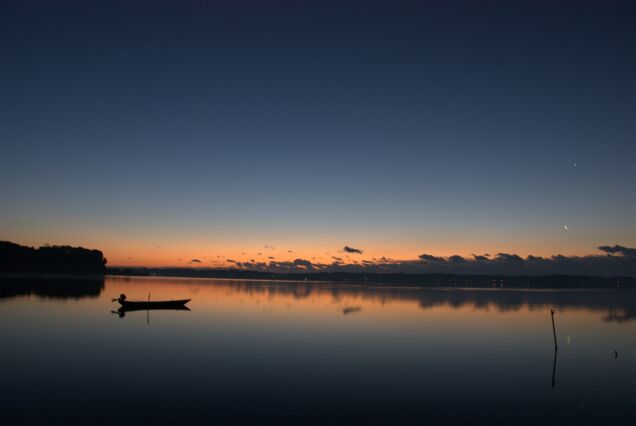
(166, 304)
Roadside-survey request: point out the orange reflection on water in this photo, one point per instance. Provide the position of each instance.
(426, 307)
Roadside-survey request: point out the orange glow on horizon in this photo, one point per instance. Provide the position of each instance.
(221, 258)
(126, 252)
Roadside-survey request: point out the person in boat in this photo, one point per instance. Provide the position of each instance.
(122, 297)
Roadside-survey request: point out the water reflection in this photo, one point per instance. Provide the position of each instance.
(62, 287)
(351, 309)
(308, 353)
(123, 310)
(554, 366)
(620, 305)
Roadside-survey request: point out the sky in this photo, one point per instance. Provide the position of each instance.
(164, 132)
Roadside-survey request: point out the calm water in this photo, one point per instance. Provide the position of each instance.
(271, 353)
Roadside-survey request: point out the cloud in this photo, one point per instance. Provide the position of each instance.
(290, 251)
(611, 260)
(252, 266)
(505, 257)
(616, 261)
(430, 258)
(268, 247)
(195, 261)
(303, 263)
(624, 251)
(348, 249)
(537, 258)
(296, 266)
(479, 258)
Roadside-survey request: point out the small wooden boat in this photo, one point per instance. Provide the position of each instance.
(132, 305)
(163, 304)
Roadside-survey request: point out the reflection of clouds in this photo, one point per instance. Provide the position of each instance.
(351, 309)
(619, 315)
(515, 300)
(620, 304)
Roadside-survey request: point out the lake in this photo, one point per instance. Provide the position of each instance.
(259, 352)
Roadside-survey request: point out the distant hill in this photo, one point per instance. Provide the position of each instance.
(15, 258)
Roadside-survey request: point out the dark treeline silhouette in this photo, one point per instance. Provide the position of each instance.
(61, 287)
(15, 258)
(401, 279)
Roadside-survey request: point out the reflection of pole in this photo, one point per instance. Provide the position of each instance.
(556, 348)
(554, 366)
(553, 329)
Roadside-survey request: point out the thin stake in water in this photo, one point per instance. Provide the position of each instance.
(553, 329)
(555, 348)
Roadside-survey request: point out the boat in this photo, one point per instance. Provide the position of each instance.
(133, 305)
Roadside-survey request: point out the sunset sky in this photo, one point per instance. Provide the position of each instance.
(162, 133)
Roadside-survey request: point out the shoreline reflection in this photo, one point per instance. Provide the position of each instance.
(51, 287)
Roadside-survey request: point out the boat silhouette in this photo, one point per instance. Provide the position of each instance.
(136, 305)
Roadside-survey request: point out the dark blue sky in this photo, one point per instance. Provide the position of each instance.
(400, 127)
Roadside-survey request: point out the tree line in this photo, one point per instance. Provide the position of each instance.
(16, 258)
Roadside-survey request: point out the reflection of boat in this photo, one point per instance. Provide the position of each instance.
(135, 305)
(122, 311)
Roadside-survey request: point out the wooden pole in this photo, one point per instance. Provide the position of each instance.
(553, 329)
